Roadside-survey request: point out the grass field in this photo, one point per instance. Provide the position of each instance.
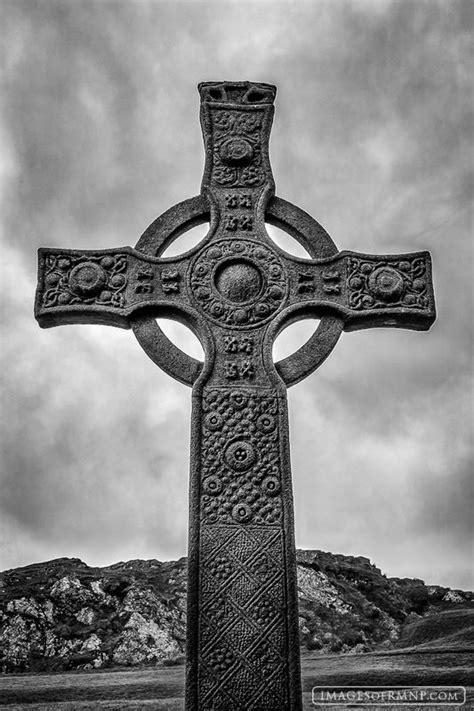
(162, 688)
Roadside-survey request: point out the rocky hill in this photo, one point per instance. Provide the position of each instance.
(63, 614)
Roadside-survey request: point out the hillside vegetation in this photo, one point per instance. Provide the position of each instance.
(64, 615)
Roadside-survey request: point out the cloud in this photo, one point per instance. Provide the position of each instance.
(370, 136)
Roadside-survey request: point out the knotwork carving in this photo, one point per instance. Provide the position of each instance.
(240, 458)
(243, 633)
(375, 284)
(85, 279)
(237, 160)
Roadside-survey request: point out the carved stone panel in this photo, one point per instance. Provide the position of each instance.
(75, 279)
(244, 569)
(377, 283)
(240, 459)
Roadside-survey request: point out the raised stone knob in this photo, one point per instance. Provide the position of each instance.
(386, 283)
(236, 151)
(87, 279)
(238, 280)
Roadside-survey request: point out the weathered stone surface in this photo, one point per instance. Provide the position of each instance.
(345, 604)
(237, 290)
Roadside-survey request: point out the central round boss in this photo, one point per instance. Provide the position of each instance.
(238, 280)
(239, 283)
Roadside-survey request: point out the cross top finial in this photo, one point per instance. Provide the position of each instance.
(237, 92)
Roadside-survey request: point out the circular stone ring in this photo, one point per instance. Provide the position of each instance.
(171, 224)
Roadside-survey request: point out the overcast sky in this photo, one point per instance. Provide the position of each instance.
(371, 136)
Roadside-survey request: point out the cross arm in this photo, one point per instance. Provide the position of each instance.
(367, 290)
(104, 286)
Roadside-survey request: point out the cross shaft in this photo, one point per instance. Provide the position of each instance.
(237, 290)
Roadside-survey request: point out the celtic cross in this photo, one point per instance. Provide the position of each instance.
(237, 290)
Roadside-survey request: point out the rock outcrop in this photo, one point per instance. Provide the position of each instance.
(63, 614)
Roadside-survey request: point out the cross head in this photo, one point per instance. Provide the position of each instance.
(237, 290)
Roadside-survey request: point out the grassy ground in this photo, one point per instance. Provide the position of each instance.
(412, 667)
(162, 688)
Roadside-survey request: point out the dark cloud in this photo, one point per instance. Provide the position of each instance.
(371, 136)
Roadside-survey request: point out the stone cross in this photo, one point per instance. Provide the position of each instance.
(237, 290)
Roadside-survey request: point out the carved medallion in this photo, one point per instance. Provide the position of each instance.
(238, 283)
(377, 284)
(93, 279)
